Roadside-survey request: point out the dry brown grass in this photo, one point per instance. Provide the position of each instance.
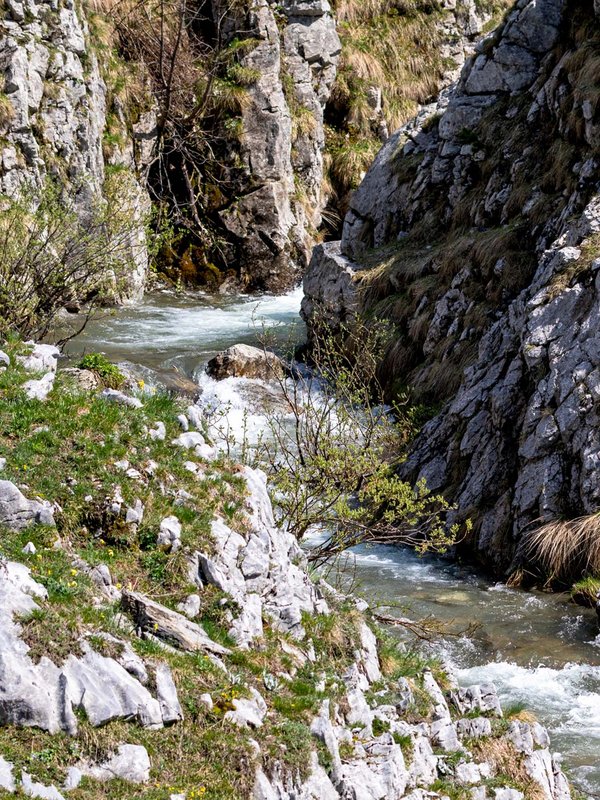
(506, 762)
(567, 548)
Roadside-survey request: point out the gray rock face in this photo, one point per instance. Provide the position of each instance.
(57, 116)
(263, 572)
(330, 293)
(167, 624)
(267, 223)
(245, 361)
(518, 441)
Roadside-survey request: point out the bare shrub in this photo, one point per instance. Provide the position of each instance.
(333, 454)
(51, 253)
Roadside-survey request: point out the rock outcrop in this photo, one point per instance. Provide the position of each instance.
(53, 118)
(279, 196)
(483, 223)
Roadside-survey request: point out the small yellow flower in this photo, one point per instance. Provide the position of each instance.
(73, 572)
(38, 555)
(141, 384)
(111, 552)
(118, 585)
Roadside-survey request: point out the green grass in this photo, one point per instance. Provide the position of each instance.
(65, 450)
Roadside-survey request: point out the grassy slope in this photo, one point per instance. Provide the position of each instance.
(65, 450)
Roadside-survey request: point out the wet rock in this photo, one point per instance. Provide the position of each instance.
(167, 624)
(244, 361)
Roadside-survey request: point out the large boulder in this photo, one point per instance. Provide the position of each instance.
(245, 361)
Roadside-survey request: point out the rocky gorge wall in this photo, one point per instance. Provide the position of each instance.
(79, 106)
(476, 233)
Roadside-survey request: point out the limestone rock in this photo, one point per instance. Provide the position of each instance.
(7, 780)
(169, 536)
(248, 712)
(32, 788)
(120, 398)
(167, 624)
(17, 512)
(244, 361)
(130, 763)
(330, 293)
(262, 572)
(39, 389)
(42, 358)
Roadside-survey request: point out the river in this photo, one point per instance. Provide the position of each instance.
(539, 650)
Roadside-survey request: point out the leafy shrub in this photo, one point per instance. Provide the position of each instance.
(109, 373)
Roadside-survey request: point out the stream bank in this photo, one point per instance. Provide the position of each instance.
(540, 650)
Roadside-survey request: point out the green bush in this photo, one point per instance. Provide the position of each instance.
(109, 373)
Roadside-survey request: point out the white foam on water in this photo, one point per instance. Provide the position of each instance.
(565, 700)
(171, 324)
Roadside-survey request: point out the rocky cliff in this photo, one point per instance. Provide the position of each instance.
(476, 232)
(162, 638)
(250, 139)
(54, 109)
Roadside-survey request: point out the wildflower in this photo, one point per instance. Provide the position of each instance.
(141, 383)
(73, 572)
(118, 585)
(111, 552)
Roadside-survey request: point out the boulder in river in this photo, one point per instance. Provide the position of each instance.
(245, 361)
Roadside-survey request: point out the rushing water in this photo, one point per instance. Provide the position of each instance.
(537, 648)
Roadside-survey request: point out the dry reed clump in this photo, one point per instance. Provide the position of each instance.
(566, 549)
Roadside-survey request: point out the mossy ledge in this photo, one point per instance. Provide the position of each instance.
(161, 638)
